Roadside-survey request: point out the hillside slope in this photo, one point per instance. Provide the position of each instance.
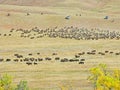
(92, 13)
(96, 5)
(30, 2)
(76, 3)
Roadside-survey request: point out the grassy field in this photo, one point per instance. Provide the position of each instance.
(51, 75)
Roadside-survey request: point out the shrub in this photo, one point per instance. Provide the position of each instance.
(102, 79)
(22, 86)
(6, 84)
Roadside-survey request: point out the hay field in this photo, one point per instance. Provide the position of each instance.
(50, 75)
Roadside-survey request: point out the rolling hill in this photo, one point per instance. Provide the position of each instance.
(96, 5)
(76, 3)
(93, 12)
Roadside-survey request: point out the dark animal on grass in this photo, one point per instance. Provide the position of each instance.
(93, 51)
(82, 53)
(1, 59)
(40, 59)
(28, 63)
(64, 60)
(8, 14)
(74, 60)
(8, 60)
(21, 60)
(9, 34)
(12, 30)
(81, 62)
(26, 59)
(32, 59)
(111, 52)
(5, 34)
(32, 37)
(15, 60)
(38, 53)
(30, 54)
(117, 53)
(28, 14)
(19, 56)
(101, 53)
(106, 51)
(77, 56)
(35, 63)
(47, 58)
(36, 60)
(57, 58)
(54, 54)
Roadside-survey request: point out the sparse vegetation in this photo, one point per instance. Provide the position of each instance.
(22, 86)
(6, 83)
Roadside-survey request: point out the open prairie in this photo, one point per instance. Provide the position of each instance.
(38, 44)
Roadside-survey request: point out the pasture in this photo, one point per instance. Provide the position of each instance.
(51, 74)
(39, 45)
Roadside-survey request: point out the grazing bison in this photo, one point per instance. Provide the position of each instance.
(8, 14)
(54, 54)
(15, 60)
(38, 53)
(117, 53)
(77, 56)
(106, 51)
(81, 62)
(64, 60)
(40, 59)
(57, 58)
(111, 52)
(8, 60)
(28, 14)
(28, 63)
(69, 32)
(30, 54)
(74, 60)
(35, 63)
(47, 58)
(41, 13)
(1, 59)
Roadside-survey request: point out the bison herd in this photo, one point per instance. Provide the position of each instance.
(67, 33)
(30, 59)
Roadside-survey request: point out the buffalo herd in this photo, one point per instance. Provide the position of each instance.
(30, 59)
(66, 33)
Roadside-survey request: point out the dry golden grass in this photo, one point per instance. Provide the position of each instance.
(49, 75)
(90, 18)
(53, 75)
